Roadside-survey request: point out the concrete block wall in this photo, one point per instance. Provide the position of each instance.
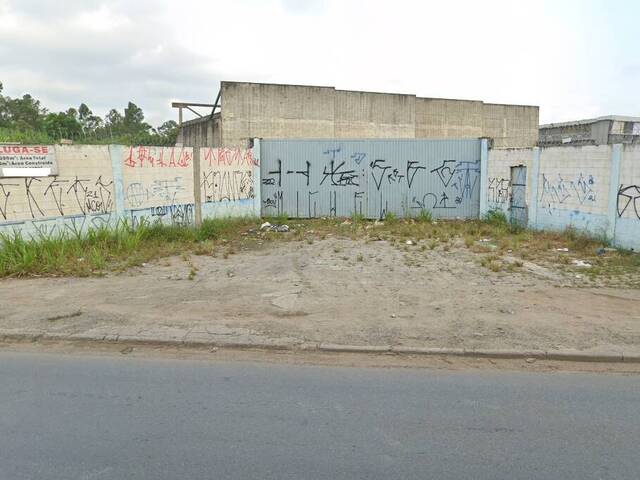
(627, 194)
(499, 176)
(82, 194)
(592, 188)
(229, 182)
(158, 184)
(573, 188)
(99, 185)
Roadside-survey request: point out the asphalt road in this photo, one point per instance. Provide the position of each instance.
(76, 417)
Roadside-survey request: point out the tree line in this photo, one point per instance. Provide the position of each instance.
(24, 119)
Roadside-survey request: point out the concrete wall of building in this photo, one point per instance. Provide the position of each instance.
(201, 132)
(510, 126)
(99, 185)
(253, 110)
(373, 115)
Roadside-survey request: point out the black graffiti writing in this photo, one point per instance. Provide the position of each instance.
(629, 196)
(339, 176)
(227, 185)
(445, 171)
(379, 166)
(412, 168)
(466, 178)
(278, 174)
(304, 172)
(275, 201)
(498, 190)
(5, 193)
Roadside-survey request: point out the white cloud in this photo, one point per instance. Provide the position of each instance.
(566, 57)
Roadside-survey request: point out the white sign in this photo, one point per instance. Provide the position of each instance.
(27, 161)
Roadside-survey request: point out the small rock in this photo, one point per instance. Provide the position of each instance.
(530, 360)
(393, 315)
(409, 242)
(126, 350)
(581, 264)
(564, 249)
(265, 226)
(600, 251)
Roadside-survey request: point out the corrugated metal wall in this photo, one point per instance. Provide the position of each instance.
(318, 178)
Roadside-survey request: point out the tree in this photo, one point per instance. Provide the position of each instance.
(63, 124)
(4, 110)
(25, 118)
(113, 123)
(26, 113)
(134, 120)
(89, 122)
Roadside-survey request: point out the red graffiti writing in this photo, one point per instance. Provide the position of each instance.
(152, 157)
(230, 157)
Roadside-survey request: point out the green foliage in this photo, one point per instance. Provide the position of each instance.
(390, 217)
(277, 220)
(121, 246)
(357, 218)
(24, 120)
(496, 218)
(26, 137)
(425, 216)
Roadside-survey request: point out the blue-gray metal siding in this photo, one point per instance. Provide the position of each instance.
(321, 178)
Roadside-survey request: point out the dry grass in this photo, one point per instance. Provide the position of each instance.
(492, 240)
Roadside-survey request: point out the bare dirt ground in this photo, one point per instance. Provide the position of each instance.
(336, 290)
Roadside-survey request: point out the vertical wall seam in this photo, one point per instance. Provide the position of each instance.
(533, 195)
(116, 154)
(614, 184)
(197, 196)
(257, 182)
(484, 176)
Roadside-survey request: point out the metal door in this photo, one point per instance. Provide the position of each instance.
(518, 203)
(325, 178)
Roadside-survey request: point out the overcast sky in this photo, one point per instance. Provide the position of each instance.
(575, 59)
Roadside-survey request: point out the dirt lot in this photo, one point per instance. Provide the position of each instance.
(339, 290)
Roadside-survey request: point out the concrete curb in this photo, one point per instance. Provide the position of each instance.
(557, 355)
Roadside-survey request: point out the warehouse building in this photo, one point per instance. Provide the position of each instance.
(243, 111)
(595, 131)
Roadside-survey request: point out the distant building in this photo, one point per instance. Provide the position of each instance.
(259, 110)
(595, 131)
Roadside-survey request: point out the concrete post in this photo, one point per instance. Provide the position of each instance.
(484, 176)
(116, 153)
(257, 198)
(533, 194)
(614, 184)
(197, 196)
